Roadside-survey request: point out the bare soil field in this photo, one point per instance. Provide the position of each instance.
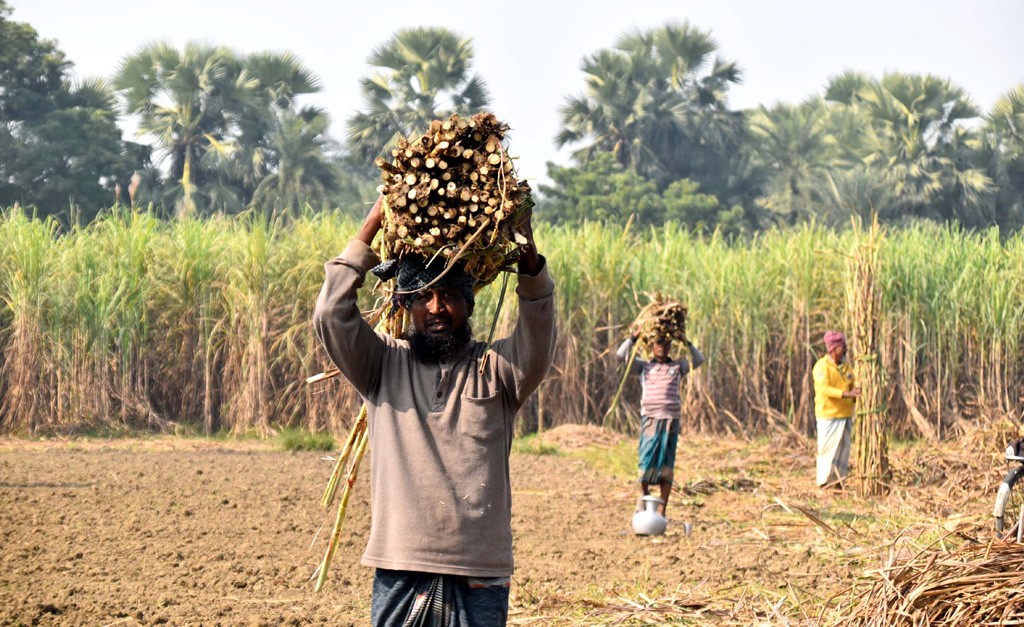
(190, 532)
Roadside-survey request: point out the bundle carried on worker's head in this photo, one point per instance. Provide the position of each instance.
(662, 319)
(452, 193)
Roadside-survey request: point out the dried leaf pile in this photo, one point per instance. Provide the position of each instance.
(453, 192)
(935, 479)
(976, 584)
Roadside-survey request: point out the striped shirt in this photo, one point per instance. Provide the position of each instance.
(660, 381)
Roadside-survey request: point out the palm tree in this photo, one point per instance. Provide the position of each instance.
(792, 142)
(303, 173)
(846, 87)
(1001, 155)
(281, 79)
(609, 114)
(917, 137)
(421, 74)
(188, 101)
(658, 102)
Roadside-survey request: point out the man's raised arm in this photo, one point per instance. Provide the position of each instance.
(352, 344)
(527, 354)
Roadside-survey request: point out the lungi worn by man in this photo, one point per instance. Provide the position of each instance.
(660, 406)
(440, 432)
(835, 392)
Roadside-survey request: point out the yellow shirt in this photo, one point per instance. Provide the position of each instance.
(830, 381)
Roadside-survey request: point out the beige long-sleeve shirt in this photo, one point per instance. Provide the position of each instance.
(440, 434)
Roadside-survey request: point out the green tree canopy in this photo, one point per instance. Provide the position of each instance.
(602, 189)
(918, 136)
(60, 146)
(906, 146)
(303, 173)
(1001, 154)
(229, 124)
(188, 102)
(658, 102)
(420, 74)
(793, 143)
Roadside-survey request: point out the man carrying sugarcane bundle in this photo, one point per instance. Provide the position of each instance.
(440, 429)
(835, 393)
(660, 403)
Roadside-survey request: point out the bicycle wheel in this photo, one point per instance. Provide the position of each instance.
(1009, 499)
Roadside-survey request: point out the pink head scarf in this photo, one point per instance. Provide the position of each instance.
(834, 339)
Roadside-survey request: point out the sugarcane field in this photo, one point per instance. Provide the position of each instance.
(672, 314)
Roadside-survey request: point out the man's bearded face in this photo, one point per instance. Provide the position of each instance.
(440, 324)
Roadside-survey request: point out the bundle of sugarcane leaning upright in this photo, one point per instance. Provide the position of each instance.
(450, 193)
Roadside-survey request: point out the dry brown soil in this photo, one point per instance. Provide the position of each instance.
(184, 532)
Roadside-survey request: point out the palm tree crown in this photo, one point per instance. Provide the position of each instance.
(421, 74)
(657, 101)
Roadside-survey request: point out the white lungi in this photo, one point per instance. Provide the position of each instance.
(833, 449)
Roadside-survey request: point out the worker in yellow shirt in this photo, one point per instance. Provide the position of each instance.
(835, 392)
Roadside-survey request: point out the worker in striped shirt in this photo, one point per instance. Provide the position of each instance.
(660, 406)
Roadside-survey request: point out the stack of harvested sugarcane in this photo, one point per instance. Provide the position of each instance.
(662, 319)
(976, 584)
(451, 193)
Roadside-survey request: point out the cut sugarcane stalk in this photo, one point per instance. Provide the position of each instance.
(332, 484)
(622, 383)
(339, 521)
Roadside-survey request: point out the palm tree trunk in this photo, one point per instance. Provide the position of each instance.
(187, 208)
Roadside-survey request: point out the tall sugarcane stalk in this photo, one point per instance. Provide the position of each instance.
(863, 297)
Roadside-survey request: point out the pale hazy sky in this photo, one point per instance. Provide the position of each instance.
(529, 52)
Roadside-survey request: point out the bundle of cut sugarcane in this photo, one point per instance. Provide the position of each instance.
(662, 319)
(864, 304)
(453, 192)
